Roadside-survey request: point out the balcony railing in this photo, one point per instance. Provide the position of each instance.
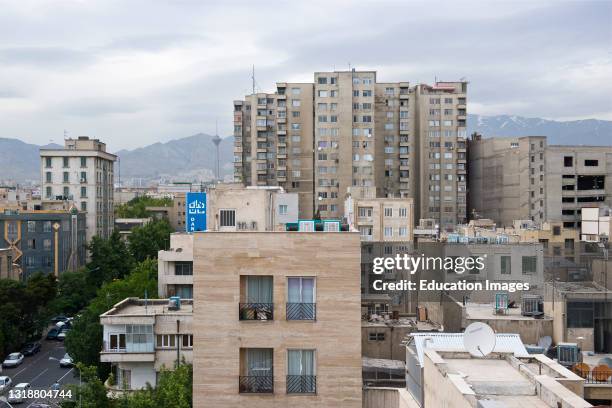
(595, 376)
(301, 384)
(301, 311)
(256, 384)
(256, 311)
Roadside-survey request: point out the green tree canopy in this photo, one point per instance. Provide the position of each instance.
(147, 240)
(136, 207)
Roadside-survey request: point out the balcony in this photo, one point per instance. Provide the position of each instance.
(301, 311)
(256, 311)
(256, 384)
(301, 384)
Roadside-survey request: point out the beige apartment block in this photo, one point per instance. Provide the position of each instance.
(380, 219)
(357, 132)
(8, 269)
(524, 178)
(140, 337)
(82, 173)
(280, 320)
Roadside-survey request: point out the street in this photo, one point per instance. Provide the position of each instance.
(42, 372)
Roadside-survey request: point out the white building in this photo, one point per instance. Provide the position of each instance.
(81, 172)
(142, 336)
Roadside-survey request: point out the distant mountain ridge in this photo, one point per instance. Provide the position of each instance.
(193, 158)
(576, 132)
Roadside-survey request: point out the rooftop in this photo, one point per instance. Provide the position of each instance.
(486, 311)
(579, 287)
(426, 325)
(148, 307)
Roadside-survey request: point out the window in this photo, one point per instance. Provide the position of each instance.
(529, 264)
(48, 192)
(47, 244)
(166, 341)
(187, 340)
(47, 162)
(282, 209)
(403, 231)
(83, 177)
(322, 94)
(83, 161)
(83, 205)
(65, 161)
(301, 372)
(403, 212)
(47, 226)
(301, 298)
(322, 80)
(31, 226)
(66, 192)
(48, 177)
(580, 314)
(591, 163)
(31, 243)
(83, 191)
(183, 268)
(568, 161)
(256, 374)
(388, 231)
(306, 226)
(295, 102)
(505, 265)
(388, 212)
(295, 91)
(66, 177)
(227, 218)
(364, 211)
(116, 342)
(556, 230)
(373, 336)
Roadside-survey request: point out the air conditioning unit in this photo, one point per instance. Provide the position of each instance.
(568, 354)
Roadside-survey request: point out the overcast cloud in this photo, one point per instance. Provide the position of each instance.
(141, 71)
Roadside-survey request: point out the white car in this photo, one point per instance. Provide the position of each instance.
(67, 361)
(5, 383)
(19, 393)
(12, 360)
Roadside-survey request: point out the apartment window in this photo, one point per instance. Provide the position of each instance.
(295, 91)
(364, 211)
(47, 244)
(388, 231)
(47, 162)
(556, 230)
(256, 376)
(322, 80)
(65, 161)
(403, 212)
(301, 298)
(227, 218)
(282, 209)
(403, 231)
(591, 163)
(66, 192)
(295, 102)
(322, 118)
(83, 191)
(295, 126)
(447, 123)
(529, 264)
(183, 268)
(116, 342)
(83, 177)
(187, 340)
(48, 177)
(322, 94)
(66, 177)
(48, 192)
(301, 374)
(388, 212)
(83, 205)
(569, 244)
(257, 296)
(505, 264)
(295, 114)
(166, 341)
(374, 336)
(568, 161)
(31, 243)
(366, 92)
(46, 226)
(83, 161)
(322, 106)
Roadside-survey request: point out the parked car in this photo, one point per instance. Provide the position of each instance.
(39, 405)
(59, 318)
(52, 334)
(5, 383)
(67, 361)
(17, 395)
(31, 348)
(12, 360)
(62, 334)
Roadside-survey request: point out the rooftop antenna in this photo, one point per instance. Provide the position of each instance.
(253, 79)
(479, 339)
(65, 134)
(216, 140)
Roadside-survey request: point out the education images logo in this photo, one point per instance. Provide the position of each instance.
(457, 264)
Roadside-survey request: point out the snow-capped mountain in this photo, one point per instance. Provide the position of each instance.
(577, 132)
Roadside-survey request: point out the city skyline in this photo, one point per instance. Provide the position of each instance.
(179, 69)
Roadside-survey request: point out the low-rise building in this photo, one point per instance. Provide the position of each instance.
(126, 225)
(175, 267)
(384, 338)
(278, 320)
(47, 241)
(140, 337)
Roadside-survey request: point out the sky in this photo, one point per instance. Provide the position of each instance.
(137, 72)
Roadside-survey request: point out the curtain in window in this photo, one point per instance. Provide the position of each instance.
(301, 290)
(294, 290)
(259, 362)
(301, 362)
(259, 289)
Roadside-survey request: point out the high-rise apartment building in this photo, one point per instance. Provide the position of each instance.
(525, 178)
(82, 173)
(348, 130)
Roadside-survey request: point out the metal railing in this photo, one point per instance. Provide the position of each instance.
(301, 384)
(301, 311)
(595, 377)
(256, 384)
(256, 311)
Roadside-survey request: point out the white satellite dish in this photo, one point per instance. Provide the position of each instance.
(479, 339)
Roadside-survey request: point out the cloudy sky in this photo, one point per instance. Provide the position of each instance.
(143, 71)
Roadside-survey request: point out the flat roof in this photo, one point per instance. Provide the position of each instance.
(413, 323)
(149, 307)
(486, 311)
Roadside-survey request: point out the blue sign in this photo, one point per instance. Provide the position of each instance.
(196, 212)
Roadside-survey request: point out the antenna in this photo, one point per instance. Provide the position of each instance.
(479, 339)
(216, 140)
(253, 78)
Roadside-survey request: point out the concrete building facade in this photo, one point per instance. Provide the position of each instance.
(270, 304)
(524, 178)
(348, 130)
(81, 173)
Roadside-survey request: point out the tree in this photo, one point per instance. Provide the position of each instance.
(174, 389)
(84, 342)
(146, 241)
(110, 259)
(74, 292)
(91, 393)
(136, 207)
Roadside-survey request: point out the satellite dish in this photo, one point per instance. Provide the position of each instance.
(479, 339)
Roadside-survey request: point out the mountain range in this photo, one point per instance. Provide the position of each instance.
(193, 158)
